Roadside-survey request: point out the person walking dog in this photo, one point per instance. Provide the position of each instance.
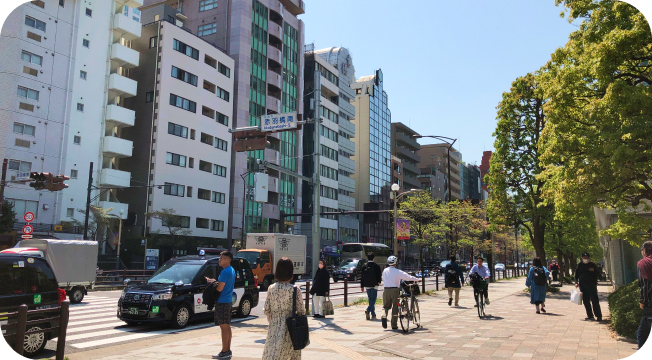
(454, 278)
(586, 278)
(645, 299)
(537, 281)
(371, 277)
(392, 278)
(320, 289)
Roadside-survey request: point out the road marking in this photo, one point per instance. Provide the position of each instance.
(98, 310)
(92, 316)
(99, 319)
(99, 302)
(102, 333)
(94, 327)
(116, 339)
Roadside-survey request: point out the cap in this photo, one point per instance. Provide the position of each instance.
(585, 254)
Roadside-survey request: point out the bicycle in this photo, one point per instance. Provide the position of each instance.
(409, 311)
(479, 285)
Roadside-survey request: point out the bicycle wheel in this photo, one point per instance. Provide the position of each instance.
(478, 303)
(403, 315)
(416, 314)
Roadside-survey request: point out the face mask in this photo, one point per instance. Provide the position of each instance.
(321, 266)
(586, 261)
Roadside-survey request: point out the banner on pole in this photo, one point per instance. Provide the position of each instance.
(402, 229)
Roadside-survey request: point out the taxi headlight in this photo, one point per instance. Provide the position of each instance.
(166, 296)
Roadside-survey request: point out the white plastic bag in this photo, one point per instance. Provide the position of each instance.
(576, 297)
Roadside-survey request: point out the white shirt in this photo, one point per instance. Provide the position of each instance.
(392, 277)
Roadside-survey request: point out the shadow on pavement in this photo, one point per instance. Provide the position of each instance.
(491, 317)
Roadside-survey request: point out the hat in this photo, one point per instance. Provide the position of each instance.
(585, 254)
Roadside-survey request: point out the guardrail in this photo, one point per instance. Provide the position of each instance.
(111, 277)
(22, 322)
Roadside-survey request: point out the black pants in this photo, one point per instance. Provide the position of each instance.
(554, 275)
(590, 297)
(644, 327)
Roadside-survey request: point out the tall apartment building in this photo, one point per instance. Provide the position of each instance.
(265, 39)
(474, 189)
(373, 157)
(65, 76)
(406, 147)
(181, 135)
(484, 168)
(433, 179)
(436, 156)
(336, 147)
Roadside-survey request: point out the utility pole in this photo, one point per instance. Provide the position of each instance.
(88, 200)
(2, 183)
(316, 231)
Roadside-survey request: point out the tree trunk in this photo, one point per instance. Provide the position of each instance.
(538, 229)
(573, 262)
(421, 261)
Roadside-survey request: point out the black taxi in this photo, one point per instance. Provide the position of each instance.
(174, 293)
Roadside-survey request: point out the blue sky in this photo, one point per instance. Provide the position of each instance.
(445, 63)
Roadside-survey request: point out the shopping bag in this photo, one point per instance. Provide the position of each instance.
(576, 297)
(328, 307)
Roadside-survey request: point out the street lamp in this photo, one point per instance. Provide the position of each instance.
(117, 257)
(395, 188)
(450, 145)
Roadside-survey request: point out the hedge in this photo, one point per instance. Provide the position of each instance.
(625, 311)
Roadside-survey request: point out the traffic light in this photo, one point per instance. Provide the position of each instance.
(57, 183)
(40, 181)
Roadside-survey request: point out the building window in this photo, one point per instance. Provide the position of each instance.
(219, 170)
(207, 29)
(86, 43)
(31, 58)
(222, 94)
(28, 93)
(70, 212)
(328, 172)
(36, 24)
(329, 153)
(24, 129)
(23, 206)
(205, 166)
(174, 189)
(20, 166)
(201, 223)
(219, 197)
(175, 159)
(328, 192)
(184, 76)
(224, 70)
(185, 49)
(89, 12)
(206, 139)
(210, 61)
(185, 104)
(61, 2)
(177, 130)
(217, 225)
(26, 107)
(39, 3)
(177, 221)
(209, 86)
(221, 144)
(82, 74)
(149, 97)
(222, 119)
(73, 173)
(152, 42)
(76, 140)
(207, 5)
(204, 194)
(328, 133)
(80, 107)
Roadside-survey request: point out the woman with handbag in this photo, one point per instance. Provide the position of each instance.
(282, 297)
(319, 290)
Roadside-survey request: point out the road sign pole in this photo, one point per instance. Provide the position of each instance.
(316, 231)
(88, 200)
(5, 162)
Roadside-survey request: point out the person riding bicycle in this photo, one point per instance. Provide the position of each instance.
(484, 274)
(392, 279)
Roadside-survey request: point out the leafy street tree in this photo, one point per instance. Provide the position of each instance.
(99, 223)
(598, 135)
(466, 224)
(516, 191)
(8, 218)
(173, 223)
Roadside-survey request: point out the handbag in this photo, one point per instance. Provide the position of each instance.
(298, 326)
(576, 297)
(328, 307)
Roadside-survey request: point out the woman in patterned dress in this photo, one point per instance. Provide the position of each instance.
(278, 307)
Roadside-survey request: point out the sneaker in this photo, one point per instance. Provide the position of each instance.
(589, 318)
(476, 305)
(599, 319)
(450, 301)
(373, 317)
(543, 310)
(486, 301)
(223, 355)
(384, 322)
(366, 314)
(394, 328)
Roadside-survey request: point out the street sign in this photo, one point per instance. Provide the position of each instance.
(28, 229)
(22, 176)
(276, 122)
(26, 236)
(151, 259)
(29, 217)
(58, 228)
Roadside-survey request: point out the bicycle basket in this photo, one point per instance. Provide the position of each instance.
(409, 287)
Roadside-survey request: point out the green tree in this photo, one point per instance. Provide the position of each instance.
(570, 236)
(99, 223)
(8, 218)
(516, 192)
(466, 224)
(598, 136)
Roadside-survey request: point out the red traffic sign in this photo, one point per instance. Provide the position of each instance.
(26, 236)
(29, 217)
(28, 229)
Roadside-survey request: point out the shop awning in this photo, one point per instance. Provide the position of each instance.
(332, 254)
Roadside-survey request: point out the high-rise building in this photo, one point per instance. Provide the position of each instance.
(474, 190)
(405, 147)
(373, 157)
(181, 135)
(484, 168)
(436, 156)
(265, 39)
(65, 75)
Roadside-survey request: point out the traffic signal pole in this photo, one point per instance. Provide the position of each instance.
(316, 231)
(88, 200)
(2, 183)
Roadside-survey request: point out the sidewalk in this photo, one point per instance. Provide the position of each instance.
(514, 330)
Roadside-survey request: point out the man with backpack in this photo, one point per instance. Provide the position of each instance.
(453, 279)
(371, 277)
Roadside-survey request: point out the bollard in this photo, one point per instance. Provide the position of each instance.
(423, 284)
(308, 296)
(504, 273)
(346, 292)
(20, 329)
(437, 281)
(63, 325)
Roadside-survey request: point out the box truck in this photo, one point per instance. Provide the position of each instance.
(263, 251)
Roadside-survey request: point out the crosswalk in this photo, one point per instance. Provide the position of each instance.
(93, 323)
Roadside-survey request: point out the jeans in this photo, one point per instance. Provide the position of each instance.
(590, 297)
(372, 294)
(644, 328)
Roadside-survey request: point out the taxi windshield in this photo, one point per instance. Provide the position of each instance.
(173, 272)
(349, 263)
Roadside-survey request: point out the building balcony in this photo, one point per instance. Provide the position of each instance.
(346, 202)
(346, 183)
(115, 208)
(402, 151)
(124, 57)
(346, 164)
(295, 7)
(122, 86)
(117, 116)
(407, 167)
(412, 182)
(274, 54)
(271, 211)
(275, 30)
(272, 156)
(273, 185)
(276, 7)
(407, 141)
(131, 3)
(126, 27)
(274, 79)
(346, 144)
(346, 106)
(273, 104)
(116, 147)
(347, 126)
(113, 177)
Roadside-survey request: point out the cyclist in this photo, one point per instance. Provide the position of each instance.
(484, 273)
(392, 279)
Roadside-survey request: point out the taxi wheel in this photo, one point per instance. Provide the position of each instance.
(76, 295)
(245, 307)
(181, 316)
(33, 343)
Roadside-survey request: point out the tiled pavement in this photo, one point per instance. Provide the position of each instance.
(512, 330)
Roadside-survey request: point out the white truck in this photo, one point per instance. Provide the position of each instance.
(263, 251)
(74, 263)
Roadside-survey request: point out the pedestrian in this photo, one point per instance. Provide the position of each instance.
(392, 278)
(320, 289)
(226, 280)
(484, 273)
(586, 278)
(554, 269)
(371, 278)
(453, 279)
(645, 299)
(278, 307)
(537, 281)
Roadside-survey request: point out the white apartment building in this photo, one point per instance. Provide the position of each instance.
(182, 141)
(64, 71)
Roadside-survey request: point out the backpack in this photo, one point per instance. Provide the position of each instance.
(451, 276)
(369, 276)
(539, 276)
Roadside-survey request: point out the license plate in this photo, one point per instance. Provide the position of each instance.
(133, 311)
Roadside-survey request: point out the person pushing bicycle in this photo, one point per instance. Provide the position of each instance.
(484, 273)
(392, 279)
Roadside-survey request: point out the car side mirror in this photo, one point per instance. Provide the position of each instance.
(257, 261)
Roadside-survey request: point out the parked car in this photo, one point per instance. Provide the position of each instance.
(350, 269)
(27, 278)
(174, 293)
(499, 267)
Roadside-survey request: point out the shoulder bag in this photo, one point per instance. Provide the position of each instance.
(298, 326)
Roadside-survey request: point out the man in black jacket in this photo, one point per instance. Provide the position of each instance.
(371, 278)
(587, 277)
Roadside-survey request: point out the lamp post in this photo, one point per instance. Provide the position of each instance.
(117, 257)
(395, 188)
(450, 145)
